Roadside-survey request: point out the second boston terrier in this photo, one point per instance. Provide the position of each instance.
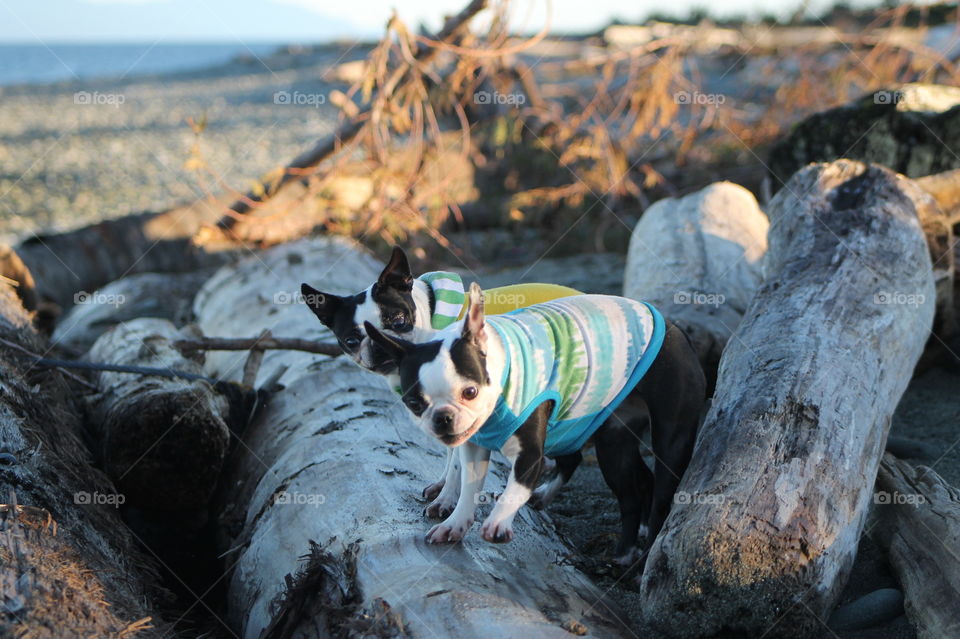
(542, 381)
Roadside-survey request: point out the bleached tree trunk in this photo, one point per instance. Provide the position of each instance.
(697, 258)
(162, 440)
(163, 295)
(765, 527)
(69, 566)
(335, 459)
(919, 525)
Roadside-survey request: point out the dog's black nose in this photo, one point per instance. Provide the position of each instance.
(443, 421)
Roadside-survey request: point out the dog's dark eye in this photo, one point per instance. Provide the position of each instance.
(470, 392)
(352, 341)
(398, 323)
(415, 404)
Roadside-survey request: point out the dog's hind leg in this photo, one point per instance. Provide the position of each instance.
(548, 491)
(433, 490)
(675, 391)
(448, 489)
(618, 454)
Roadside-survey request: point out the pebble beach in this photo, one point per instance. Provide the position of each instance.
(76, 152)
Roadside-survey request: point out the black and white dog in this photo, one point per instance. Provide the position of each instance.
(455, 381)
(402, 304)
(396, 302)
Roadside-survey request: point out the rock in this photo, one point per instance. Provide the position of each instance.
(912, 130)
(698, 259)
(872, 609)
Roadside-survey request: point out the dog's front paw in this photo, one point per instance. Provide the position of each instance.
(433, 490)
(497, 532)
(440, 508)
(449, 531)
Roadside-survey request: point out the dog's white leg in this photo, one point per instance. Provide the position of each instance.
(498, 526)
(446, 498)
(474, 461)
(433, 490)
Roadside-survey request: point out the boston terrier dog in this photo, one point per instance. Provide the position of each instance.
(542, 381)
(402, 304)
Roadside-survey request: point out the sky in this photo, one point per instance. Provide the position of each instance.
(305, 21)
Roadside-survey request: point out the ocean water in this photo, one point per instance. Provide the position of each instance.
(40, 64)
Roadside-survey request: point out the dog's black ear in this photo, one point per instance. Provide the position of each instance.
(473, 325)
(396, 273)
(324, 305)
(395, 348)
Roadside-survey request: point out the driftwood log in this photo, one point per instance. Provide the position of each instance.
(331, 471)
(162, 440)
(65, 265)
(697, 258)
(918, 522)
(765, 530)
(69, 567)
(163, 295)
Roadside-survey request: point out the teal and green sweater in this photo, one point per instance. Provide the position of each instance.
(586, 353)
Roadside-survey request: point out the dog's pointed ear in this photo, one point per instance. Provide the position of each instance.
(396, 273)
(473, 325)
(323, 305)
(395, 348)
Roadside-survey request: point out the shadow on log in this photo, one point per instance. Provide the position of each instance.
(69, 567)
(771, 508)
(332, 469)
(162, 440)
(919, 525)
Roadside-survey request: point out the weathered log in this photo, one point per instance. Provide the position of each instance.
(65, 265)
(697, 258)
(162, 440)
(69, 567)
(332, 469)
(918, 522)
(765, 530)
(16, 273)
(163, 295)
(945, 189)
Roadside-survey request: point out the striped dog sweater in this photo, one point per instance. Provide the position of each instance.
(586, 353)
(450, 299)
